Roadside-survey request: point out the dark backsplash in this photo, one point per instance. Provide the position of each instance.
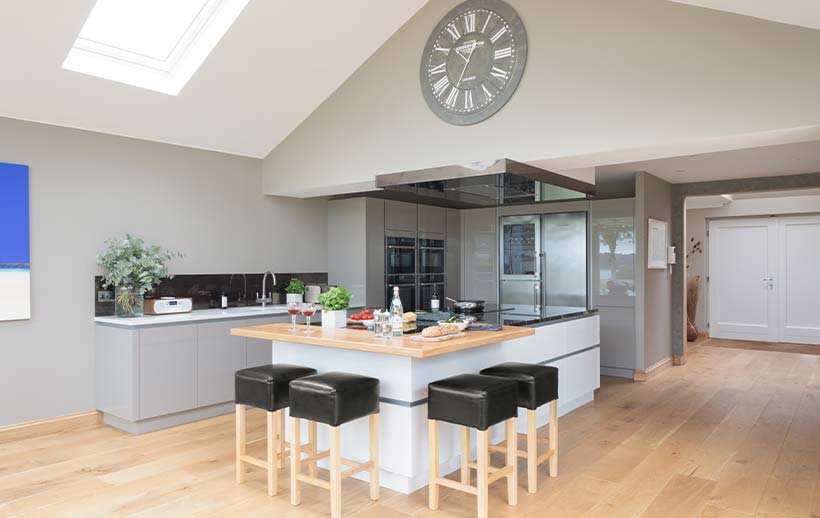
(205, 290)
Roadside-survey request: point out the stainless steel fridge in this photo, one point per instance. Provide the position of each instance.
(543, 264)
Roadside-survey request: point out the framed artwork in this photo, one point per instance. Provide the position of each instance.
(15, 271)
(658, 241)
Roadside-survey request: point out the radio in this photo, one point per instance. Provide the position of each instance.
(167, 306)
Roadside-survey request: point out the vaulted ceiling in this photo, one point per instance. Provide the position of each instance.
(272, 68)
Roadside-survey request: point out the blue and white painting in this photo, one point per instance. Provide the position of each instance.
(15, 272)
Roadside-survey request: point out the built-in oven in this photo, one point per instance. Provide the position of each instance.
(407, 290)
(400, 253)
(431, 254)
(430, 285)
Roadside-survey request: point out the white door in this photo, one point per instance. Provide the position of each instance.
(798, 282)
(742, 262)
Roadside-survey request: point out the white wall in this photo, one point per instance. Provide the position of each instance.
(696, 220)
(601, 76)
(86, 187)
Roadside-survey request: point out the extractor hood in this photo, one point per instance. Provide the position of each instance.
(481, 184)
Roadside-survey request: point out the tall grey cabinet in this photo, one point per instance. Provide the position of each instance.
(613, 282)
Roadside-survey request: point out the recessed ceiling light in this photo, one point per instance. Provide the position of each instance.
(152, 44)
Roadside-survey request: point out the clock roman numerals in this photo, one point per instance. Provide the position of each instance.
(446, 50)
(498, 34)
(438, 69)
(469, 22)
(486, 23)
(453, 31)
(441, 85)
(452, 97)
(468, 100)
(503, 53)
(499, 74)
(487, 93)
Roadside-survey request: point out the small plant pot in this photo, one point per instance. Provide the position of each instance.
(294, 297)
(128, 303)
(334, 319)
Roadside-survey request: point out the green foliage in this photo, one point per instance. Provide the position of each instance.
(296, 287)
(335, 299)
(131, 264)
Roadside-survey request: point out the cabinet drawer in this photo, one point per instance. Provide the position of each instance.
(219, 356)
(167, 334)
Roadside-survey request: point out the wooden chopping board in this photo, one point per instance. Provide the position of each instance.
(420, 338)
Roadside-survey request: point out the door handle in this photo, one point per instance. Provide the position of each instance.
(535, 290)
(769, 282)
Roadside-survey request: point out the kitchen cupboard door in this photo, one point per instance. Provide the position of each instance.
(432, 220)
(260, 352)
(168, 371)
(798, 281)
(399, 215)
(219, 356)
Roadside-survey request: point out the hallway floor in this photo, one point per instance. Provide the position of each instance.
(734, 433)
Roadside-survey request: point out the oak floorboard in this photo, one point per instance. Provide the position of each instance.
(735, 433)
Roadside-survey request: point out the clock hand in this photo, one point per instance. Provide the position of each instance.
(469, 57)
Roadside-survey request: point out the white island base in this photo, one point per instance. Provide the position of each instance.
(571, 345)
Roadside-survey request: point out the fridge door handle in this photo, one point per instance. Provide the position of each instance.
(535, 291)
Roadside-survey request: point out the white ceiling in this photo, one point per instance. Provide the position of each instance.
(279, 61)
(805, 13)
(780, 160)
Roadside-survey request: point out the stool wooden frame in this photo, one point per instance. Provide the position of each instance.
(531, 453)
(278, 448)
(487, 474)
(334, 485)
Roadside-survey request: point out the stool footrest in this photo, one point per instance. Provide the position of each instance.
(490, 469)
(452, 484)
(313, 481)
(500, 473)
(545, 457)
(253, 460)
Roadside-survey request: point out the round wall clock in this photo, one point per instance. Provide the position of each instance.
(473, 61)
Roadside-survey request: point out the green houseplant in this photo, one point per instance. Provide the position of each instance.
(295, 290)
(132, 268)
(335, 303)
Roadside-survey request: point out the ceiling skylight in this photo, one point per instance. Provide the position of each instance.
(152, 44)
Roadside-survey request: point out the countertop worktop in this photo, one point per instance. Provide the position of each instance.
(366, 341)
(199, 315)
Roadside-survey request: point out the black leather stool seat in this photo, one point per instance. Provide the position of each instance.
(334, 398)
(472, 400)
(537, 384)
(266, 386)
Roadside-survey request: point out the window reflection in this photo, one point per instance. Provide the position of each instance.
(616, 256)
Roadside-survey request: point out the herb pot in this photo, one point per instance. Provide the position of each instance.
(128, 303)
(294, 297)
(334, 319)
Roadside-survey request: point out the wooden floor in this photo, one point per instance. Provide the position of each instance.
(734, 433)
(761, 346)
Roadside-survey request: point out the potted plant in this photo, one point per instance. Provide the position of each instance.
(335, 302)
(295, 290)
(132, 268)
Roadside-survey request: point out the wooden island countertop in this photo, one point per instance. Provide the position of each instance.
(366, 341)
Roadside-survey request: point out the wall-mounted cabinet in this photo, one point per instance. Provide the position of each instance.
(399, 215)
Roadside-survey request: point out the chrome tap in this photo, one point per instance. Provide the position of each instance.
(244, 294)
(269, 298)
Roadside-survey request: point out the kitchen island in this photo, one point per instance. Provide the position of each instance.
(405, 367)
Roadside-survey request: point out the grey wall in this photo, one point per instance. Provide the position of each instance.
(601, 75)
(696, 221)
(86, 187)
(653, 198)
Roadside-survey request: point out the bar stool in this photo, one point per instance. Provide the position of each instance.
(333, 398)
(537, 385)
(479, 402)
(265, 387)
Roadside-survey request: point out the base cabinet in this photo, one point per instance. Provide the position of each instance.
(156, 377)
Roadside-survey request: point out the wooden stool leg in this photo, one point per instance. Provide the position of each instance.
(374, 457)
(295, 461)
(483, 454)
(240, 443)
(273, 472)
(553, 430)
(335, 474)
(432, 429)
(280, 423)
(465, 455)
(312, 448)
(512, 460)
(532, 452)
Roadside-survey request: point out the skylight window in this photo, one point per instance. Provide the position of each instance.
(152, 44)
